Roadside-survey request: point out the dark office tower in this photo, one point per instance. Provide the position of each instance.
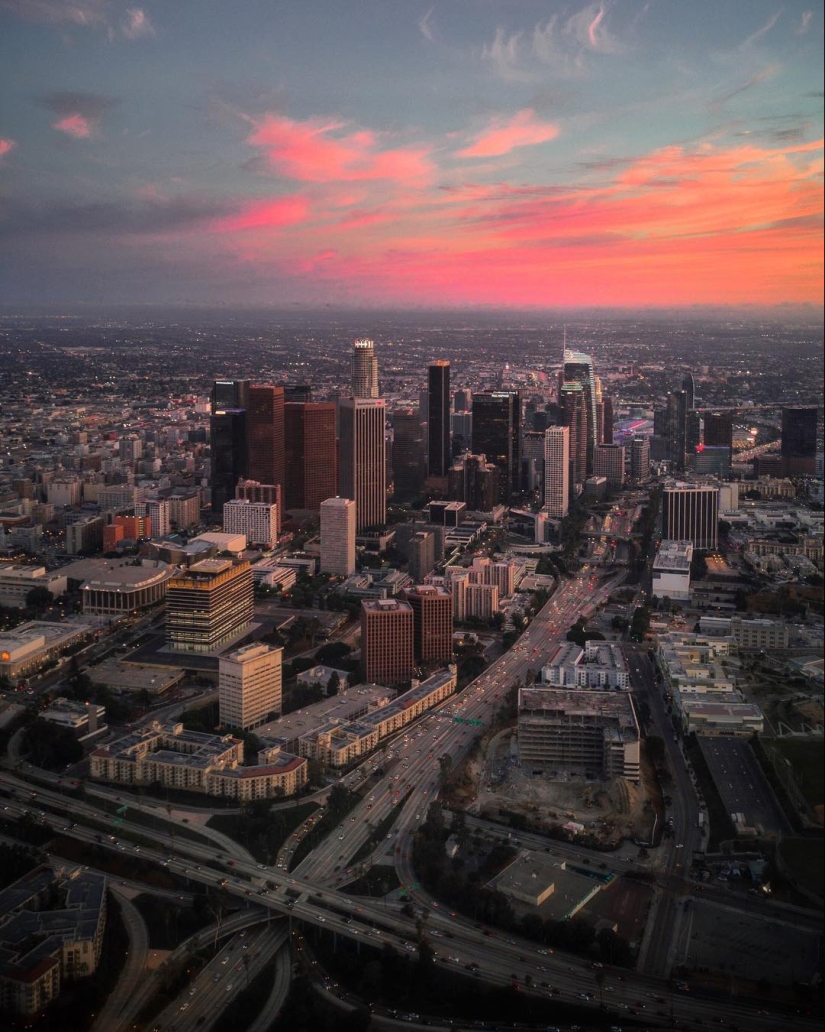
(497, 434)
(719, 431)
(364, 370)
(693, 434)
(297, 391)
(265, 430)
(362, 459)
(690, 512)
(675, 428)
(578, 368)
(438, 419)
(574, 416)
(607, 426)
(799, 441)
(407, 454)
(689, 387)
(228, 439)
(475, 481)
(462, 400)
(311, 454)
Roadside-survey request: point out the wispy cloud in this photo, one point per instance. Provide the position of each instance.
(501, 137)
(6, 146)
(804, 22)
(321, 151)
(426, 26)
(763, 75)
(107, 16)
(80, 114)
(562, 42)
(762, 31)
(135, 23)
(504, 53)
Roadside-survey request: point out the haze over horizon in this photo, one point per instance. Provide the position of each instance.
(446, 156)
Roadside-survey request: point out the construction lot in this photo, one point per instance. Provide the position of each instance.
(609, 810)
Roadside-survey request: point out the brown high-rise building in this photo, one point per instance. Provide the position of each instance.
(432, 623)
(387, 655)
(265, 433)
(311, 454)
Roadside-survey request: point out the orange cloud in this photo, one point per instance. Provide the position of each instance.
(6, 146)
(285, 211)
(522, 130)
(75, 125)
(316, 151)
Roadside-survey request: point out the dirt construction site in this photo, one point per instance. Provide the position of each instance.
(609, 810)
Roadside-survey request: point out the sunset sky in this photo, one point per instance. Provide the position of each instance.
(389, 152)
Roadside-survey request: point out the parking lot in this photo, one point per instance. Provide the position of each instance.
(748, 945)
(742, 785)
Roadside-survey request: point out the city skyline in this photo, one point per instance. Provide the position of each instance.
(531, 155)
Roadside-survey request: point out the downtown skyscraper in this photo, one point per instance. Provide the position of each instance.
(364, 370)
(438, 419)
(228, 439)
(497, 435)
(362, 459)
(557, 471)
(578, 368)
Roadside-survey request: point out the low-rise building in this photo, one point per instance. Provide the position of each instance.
(671, 570)
(747, 633)
(30, 646)
(721, 718)
(195, 762)
(554, 888)
(83, 719)
(600, 664)
(337, 744)
(17, 580)
(52, 922)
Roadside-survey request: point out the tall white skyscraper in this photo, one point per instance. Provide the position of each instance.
(556, 471)
(338, 536)
(249, 685)
(364, 370)
(362, 459)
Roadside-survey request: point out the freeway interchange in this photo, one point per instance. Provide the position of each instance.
(311, 892)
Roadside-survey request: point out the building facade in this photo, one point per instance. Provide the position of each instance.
(338, 526)
(387, 641)
(209, 605)
(362, 459)
(249, 685)
(557, 471)
(690, 512)
(311, 455)
(432, 623)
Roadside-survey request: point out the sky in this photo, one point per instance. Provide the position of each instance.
(380, 153)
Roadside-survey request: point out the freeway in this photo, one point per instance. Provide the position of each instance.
(109, 1017)
(227, 974)
(498, 960)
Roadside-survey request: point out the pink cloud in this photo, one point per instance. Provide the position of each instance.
(316, 151)
(522, 130)
(6, 146)
(285, 211)
(75, 125)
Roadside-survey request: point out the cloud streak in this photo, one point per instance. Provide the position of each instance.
(522, 130)
(6, 147)
(321, 151)
(80, 114)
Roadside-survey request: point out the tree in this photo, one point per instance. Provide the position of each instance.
(497, 620)
(334, 683)
(39, 598)
(51, 746)
(655, 748)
